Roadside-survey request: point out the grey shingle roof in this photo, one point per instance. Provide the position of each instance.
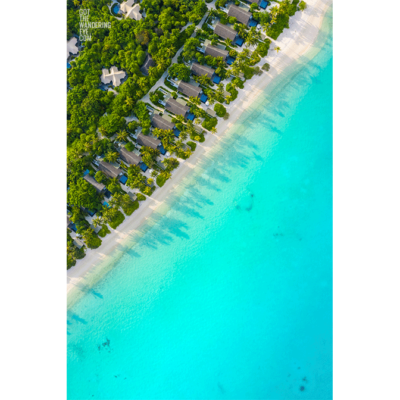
(147, 141)
(148, 62)
(161, 123)
(225, 31)
(176, 108)
(188, 89)
(254, 1)
(129, 157)
(199, 69)
(215, 52)
(109, 169)
(240, 14)
(99, 186)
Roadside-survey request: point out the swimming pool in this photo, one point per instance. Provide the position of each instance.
(115, 8)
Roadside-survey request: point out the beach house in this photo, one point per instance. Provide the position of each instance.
(198, 69)
(161, 123)
(215, 52)
(189, 90)
(240, 14)
(203, 70)
(109, 170)
(225, 31)
(98, 186)
(129, 157)
(176, 108)
(149, 141)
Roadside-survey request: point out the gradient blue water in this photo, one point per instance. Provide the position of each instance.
(228, 295)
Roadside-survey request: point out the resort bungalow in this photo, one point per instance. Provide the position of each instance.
(162, 123)
(176, 108)
(98, 186)
(200, 70)
(152, 142)
(225, 31)
(189, 90)
(148, 62)
(130, 158)
(109, 170)
(240, 14)
(215, 52)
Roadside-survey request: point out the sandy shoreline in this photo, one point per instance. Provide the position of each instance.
(293, 42)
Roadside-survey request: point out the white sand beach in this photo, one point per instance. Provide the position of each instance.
(293, 43)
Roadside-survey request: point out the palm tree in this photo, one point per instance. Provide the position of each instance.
(241, 31)
(228, 42)
(277, 49)
(180, 118)
(102, 130)
(183, 135)
(265, 27)
(111, 156)
(179, 144)
(253, 37)
(142, 82)
(220, 89)
(153, 72)
(122, 136)
(246, 52)
(168, 137)
(98, 221)
(204, 80)
(195, 100)
(88, 146)
(129, 102)
(170, 52)
(213, 129)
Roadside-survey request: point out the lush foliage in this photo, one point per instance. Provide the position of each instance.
(220, 109)
(180, 71)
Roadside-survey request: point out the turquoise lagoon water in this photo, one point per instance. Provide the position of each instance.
(226, 293)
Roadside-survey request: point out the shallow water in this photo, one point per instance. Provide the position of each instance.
(227, 294)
